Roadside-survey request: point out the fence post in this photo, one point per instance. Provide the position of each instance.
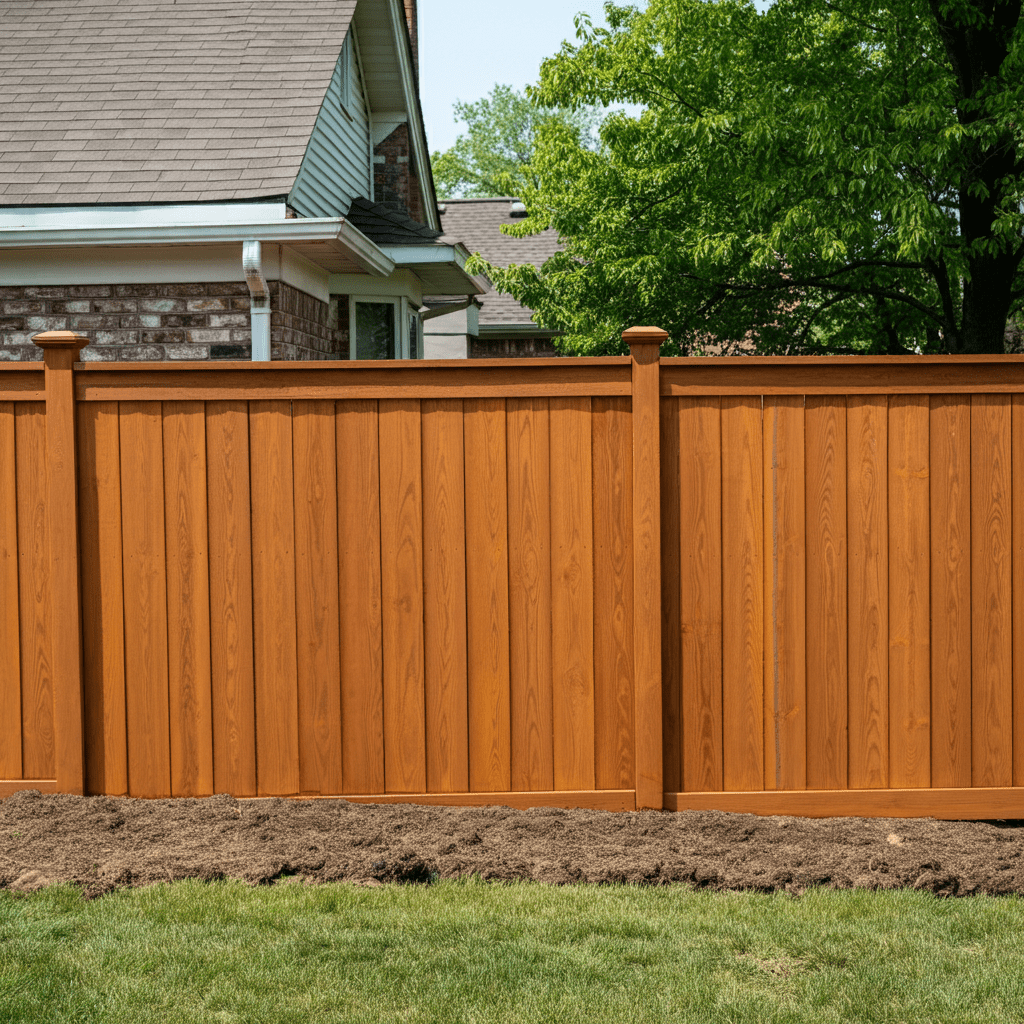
(60, 350)
(644, 347)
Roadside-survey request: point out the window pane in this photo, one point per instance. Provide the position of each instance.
(375, 330)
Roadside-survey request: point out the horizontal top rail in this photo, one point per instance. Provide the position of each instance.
(22, 382)
(506, 378)
(841, 375)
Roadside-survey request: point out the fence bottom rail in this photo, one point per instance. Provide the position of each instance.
(982, 803)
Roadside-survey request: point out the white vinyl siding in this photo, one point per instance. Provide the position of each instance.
(336, 165)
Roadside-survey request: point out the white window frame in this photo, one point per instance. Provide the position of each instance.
(403, 310)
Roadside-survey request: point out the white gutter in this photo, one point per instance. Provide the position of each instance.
(293, 231)
(259, 300)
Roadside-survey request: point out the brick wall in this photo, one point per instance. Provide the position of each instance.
(394, 178)
(162, 321)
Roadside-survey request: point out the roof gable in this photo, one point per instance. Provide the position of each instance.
(148, 101)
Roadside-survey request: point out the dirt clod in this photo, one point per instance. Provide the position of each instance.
(104, 843)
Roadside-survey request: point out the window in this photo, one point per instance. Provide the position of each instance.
(383, 328)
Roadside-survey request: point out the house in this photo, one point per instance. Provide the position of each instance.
(493, 325)
(217, 179)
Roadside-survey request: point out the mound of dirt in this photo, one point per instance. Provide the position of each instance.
(102, 843)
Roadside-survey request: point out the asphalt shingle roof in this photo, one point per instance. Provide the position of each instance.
(160, 100)
(477, 224)
(387, 224)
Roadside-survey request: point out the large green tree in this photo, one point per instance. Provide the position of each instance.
(825, 175)
(492, 157)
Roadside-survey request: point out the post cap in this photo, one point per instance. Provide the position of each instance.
(60, 339)
(644, 336)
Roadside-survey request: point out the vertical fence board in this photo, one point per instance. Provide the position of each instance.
(145, 599)
(529, 585)
(742, 594)
(992, 654)
(613, 593)
(10, 619)
(866, 489)
(909, 604)
(487, 622)
(700, 589)
(825, 511)
(444, 597)
(950, 496)
(10, 624)
(572, 592)
(1017, 482)
(273, 579)
(188, 599)
(34, 587)
(401, 514)
(785, 687)
(671, 613)
(317, 614)
(231, 647)
(99, 503)
(359, 536)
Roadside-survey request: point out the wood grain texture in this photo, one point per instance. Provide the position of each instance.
(572, 593)
(38, 756)
(444, 597)
(317, 612)
(8, 787)
(529, 593)
(742, 595)
(785, 684)
(647, 709)
(948, 804)
(359, 569)
(145, 599)
(991, 593)
(231, 649)
(188, 598)
(909, 593)
(825, 508)
(868, 560)
(487, 616)
(1017, 456)
(401, 517)
(597, 800)
(99, 509)
(700, 583)
(950, 507)
(273, 583)
(671, 614)
(10, 620)
(613, 593)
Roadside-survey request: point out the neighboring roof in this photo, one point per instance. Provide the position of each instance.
(477, 224)
(161, 100)
(389, 224)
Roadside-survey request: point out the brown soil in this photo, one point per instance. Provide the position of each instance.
(102, 843)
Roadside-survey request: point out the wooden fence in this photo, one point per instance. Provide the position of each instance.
(781, 586)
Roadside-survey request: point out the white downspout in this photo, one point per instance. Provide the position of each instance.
(259, 307)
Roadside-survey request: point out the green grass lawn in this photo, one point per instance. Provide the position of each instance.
(469, 951)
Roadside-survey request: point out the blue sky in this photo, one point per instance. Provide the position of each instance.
(467, 47)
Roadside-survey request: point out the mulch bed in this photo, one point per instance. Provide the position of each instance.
(104, 843)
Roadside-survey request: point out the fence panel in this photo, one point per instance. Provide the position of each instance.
(890, 571)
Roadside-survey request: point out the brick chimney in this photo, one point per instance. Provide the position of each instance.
(410, 19)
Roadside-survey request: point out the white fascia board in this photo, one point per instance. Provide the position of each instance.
(426, 255)
(294, 231)
(127, 215)
(416, 132)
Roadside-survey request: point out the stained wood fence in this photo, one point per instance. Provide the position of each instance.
(783, 586)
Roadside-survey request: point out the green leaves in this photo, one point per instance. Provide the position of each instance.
(817, 177)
